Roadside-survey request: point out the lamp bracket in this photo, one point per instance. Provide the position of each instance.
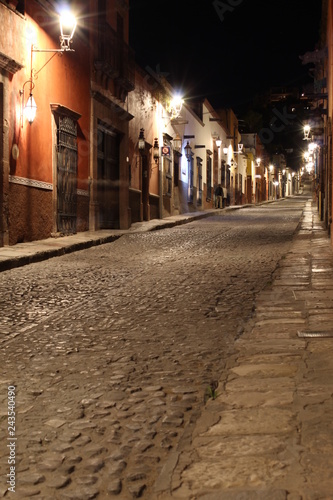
(63, 49)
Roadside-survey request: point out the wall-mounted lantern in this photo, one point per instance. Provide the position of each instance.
(177, 143)
(67, 28)
(307, 130)
(30, 109)
(156, 150)
(142, 142)
(175, 106)
(188, 151)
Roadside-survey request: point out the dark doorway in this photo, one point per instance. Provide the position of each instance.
(145, 185)
(2, 215)
(66, 175)
(108, 178)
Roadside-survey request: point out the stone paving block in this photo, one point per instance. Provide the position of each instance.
(231, 473)
(313, 296)
(236, 445)
(276, 331)
(281, 384)
(265, 370)
(254, 421)
(322, 378)
(269, 358)
(248, 399)
(281, 322)
(319, 465)
(256, 494)
(272, 346)
(317, 438)
(276, 315)
(321, 308)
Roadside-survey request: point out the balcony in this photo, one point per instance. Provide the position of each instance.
(114, 59)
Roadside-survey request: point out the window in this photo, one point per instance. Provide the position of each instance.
(167, 169)
(190, 179)
(176, 158)
(216, 167)
(199, 167)
(168, 176)
(223, 176)
(120, 27)
(19, 7)
(209, 177)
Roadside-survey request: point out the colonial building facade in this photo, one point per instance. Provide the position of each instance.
(66, 171)
(111, 144)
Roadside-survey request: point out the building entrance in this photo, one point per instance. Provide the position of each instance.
(108, 178)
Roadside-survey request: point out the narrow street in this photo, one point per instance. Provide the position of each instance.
(113, 350)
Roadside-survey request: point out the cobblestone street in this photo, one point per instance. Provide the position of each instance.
(113, 349)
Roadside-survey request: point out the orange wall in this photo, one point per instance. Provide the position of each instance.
(64, 80)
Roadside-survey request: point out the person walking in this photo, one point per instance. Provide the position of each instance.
(218, 196)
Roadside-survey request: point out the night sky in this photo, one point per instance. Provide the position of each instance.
(227, 51)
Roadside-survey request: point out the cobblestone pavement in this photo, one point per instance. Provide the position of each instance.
(112, 350)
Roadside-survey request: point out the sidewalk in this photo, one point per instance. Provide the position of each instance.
(36, 251)
(269, 433)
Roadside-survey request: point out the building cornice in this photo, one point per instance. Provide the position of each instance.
(9, 64)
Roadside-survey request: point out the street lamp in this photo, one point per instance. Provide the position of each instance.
(175, 106)
(156, 152)
(67, 29)
(307, 130)
(142, 142)
(67, 24)
(177, 143)
(30, 109)
(188, 151)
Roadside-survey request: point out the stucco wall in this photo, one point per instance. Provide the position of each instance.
(30, 214)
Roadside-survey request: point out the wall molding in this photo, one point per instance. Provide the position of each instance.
(23, 181)
(82, 192)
